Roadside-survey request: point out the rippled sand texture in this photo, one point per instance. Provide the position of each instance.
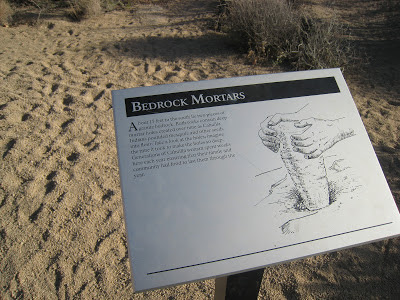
(61, 222)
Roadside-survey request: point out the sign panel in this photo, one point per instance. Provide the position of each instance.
(229, 175)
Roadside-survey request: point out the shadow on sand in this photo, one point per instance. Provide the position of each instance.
(172, 48)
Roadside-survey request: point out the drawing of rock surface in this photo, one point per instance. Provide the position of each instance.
(308, 175)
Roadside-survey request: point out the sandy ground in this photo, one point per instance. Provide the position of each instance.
(62, 233)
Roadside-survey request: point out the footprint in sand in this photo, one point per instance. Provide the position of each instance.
(10, 145)
(74, 156)
(25, 117)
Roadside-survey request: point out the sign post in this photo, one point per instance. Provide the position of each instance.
(225, 176)
(220, 288)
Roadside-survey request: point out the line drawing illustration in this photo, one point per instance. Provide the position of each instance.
(313, 180)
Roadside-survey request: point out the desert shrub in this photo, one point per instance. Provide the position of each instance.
(81, 9)
(5, 12)
(276, 31)
(322, 44)
(267, 27)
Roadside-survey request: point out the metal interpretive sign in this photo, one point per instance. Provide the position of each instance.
(229, 175)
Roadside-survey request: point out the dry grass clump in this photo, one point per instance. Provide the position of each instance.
(322, 44)
(5, 12)
(266, 27)
(81, 9)
(276, 31)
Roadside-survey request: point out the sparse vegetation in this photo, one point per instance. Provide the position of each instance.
(85, 8)
(322, 44)
(275, 31)
(76, 9)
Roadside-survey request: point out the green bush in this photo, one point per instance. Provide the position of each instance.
(275, 31)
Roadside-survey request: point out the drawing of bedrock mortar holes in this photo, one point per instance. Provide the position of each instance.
(308, 175)
(301, 145)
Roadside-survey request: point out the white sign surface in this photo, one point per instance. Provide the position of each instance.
(228, 175)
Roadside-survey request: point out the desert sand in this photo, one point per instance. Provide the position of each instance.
(62, 233)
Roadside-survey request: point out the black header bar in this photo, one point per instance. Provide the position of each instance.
(229, 95)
